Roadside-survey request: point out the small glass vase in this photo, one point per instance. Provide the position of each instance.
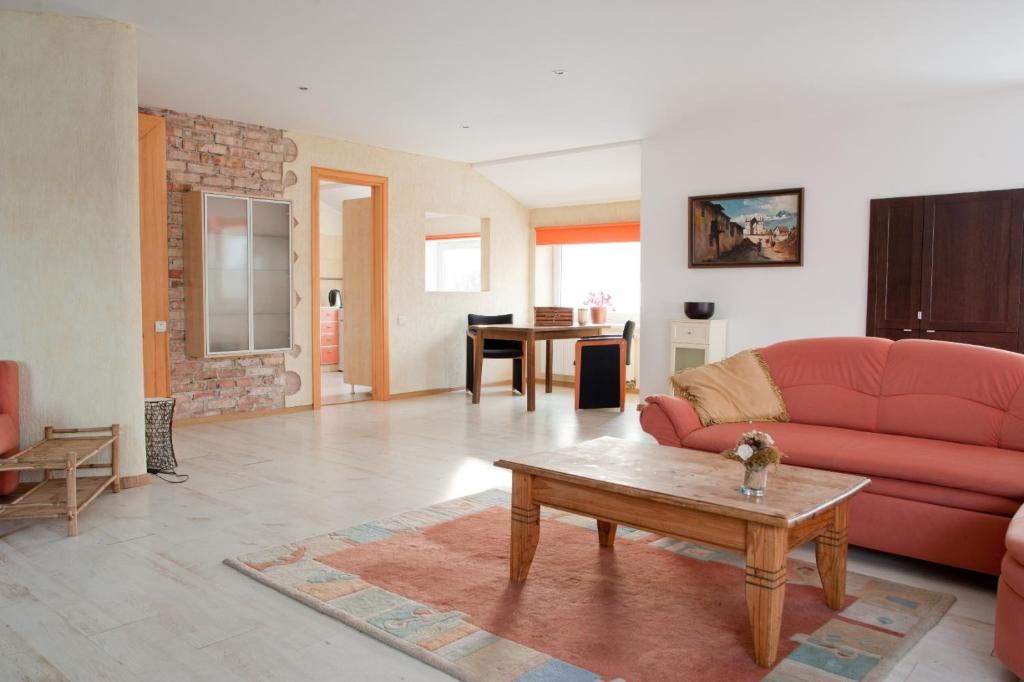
(755, 480)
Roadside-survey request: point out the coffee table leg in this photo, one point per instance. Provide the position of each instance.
(606, 533)
(525, 527)
(766, 588)
(830, 552)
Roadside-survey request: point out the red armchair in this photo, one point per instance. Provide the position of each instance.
(10, 425)
(1010, 602)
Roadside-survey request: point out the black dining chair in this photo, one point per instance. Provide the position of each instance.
(601, 369)
(501, 349)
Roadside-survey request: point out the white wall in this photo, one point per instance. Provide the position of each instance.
(428, 350)
(843, 157)
(69, 224)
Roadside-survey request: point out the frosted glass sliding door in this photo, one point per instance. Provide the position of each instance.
(227, 274)
(271, 278)
(247, 273)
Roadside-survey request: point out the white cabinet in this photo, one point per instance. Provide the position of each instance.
(695, 343)
(238, 275)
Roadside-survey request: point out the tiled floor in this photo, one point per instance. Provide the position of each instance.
(142, 594)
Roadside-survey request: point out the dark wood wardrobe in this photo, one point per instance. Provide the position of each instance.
(948, 267)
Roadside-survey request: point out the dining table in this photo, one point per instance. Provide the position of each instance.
(529, 335)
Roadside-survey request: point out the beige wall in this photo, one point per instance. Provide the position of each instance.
(331, 246)
(69, 224)
(451, 224)
(586, 214)
(428, 350)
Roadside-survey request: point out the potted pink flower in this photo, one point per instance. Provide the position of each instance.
(599, 302)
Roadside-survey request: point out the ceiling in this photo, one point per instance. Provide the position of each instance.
(588, 175)
(407, 74)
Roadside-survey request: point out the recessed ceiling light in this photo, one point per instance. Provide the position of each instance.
(303, 88)
(558, 72)
(464, 126)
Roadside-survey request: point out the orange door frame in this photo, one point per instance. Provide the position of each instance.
(378, 184)
(156, 354)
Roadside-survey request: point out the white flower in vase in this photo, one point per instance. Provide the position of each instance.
(744, 452)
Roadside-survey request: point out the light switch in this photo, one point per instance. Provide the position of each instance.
(160, 326)
(402, 319)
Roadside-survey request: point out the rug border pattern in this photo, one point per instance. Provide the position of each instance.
(447, 511)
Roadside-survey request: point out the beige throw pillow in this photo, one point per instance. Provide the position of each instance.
(738, 389)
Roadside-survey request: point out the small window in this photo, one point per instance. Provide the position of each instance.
(454, 253)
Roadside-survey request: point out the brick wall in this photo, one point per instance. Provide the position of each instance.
(232, 158)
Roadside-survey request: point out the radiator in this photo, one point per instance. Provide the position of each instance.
(564, 357)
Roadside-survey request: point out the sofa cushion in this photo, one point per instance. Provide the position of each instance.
(988, 470)
(8, 435)
(737, 389)
(830, 381)
(948, 391)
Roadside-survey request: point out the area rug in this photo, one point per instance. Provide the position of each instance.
(433, 583)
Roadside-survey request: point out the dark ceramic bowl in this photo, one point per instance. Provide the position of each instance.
(699, 310)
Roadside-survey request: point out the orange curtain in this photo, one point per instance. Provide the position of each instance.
(588, 234)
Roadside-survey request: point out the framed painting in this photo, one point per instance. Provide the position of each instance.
(747, 229)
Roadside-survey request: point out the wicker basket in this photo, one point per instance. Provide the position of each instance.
(545, 316)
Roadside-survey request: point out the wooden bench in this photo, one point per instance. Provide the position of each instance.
(70, 451)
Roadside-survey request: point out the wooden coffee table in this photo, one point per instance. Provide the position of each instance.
(692, 495)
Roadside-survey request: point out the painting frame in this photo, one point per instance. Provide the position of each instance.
(695, 202)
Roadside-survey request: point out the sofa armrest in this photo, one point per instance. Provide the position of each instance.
(669, 419)
(1015, 537)
(9, 390)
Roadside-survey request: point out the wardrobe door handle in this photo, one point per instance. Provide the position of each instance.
(929, 331)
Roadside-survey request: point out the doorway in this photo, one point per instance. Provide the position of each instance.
(348, 237)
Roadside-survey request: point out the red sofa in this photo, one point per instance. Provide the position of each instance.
(938, 427)
(1010, 600)
(10, 425)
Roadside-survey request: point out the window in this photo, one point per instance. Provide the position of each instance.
(455, 253)
(453, 264)
(614, 268)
